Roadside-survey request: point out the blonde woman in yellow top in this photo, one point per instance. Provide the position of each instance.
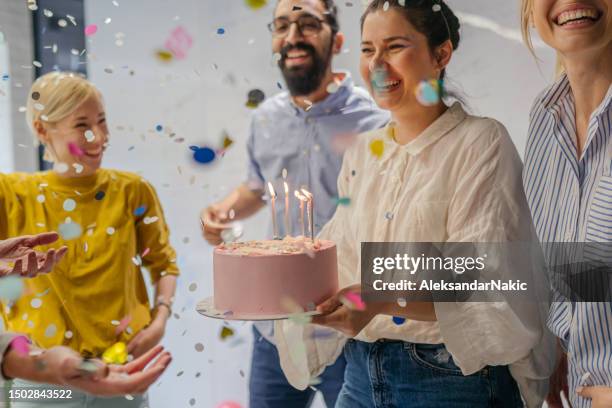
(112, 223)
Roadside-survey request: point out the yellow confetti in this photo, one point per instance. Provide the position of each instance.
(256, 4)
(227, 141)
(164, 55)
(115, 354)
(226, 332)
(377, 147)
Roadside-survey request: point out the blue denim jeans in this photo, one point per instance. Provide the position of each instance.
(268, 387)
(395, 374)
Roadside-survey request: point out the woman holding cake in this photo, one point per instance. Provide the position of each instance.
(435, 174)
(112, 223)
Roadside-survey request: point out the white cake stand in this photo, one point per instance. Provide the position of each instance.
(206, 307)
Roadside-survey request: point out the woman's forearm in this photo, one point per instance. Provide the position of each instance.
(164, 295)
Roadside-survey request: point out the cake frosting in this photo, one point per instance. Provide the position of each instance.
(263, 277)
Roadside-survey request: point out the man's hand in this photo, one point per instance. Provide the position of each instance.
(348, 318)
(601, 397)
(147, 338)
(214, 220)
(131, 378)
(18, 256)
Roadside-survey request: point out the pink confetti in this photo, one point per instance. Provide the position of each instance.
(145, 252)
(355, 299)
(75, 150)
(179, 42)
(21, 345)
(91, 29)
(123, 324)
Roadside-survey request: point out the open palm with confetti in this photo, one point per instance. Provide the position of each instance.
(18, 256)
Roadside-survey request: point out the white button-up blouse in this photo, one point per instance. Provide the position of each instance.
(458, 181)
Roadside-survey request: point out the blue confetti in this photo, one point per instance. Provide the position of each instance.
(220, 31)
(159, 128)
(280, 86)
(203, 155)
(5, 77)
(399, 320)
(140, 210)
(100, 195)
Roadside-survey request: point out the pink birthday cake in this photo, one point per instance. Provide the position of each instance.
(267, 277)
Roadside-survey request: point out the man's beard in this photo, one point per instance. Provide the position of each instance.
(303, 81)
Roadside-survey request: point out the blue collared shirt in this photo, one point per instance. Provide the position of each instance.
(571, 201)
(305, 143)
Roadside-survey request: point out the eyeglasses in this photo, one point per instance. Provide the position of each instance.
(306, 24)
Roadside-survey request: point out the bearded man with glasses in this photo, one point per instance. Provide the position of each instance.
(295, 134)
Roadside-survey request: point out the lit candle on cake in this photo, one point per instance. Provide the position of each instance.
(287, 225)
(310, 212)
(301, 200)
(273, 203)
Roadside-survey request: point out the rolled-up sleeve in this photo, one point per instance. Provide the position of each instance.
(5, 342)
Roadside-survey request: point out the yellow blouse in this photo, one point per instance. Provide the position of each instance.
(98, 286)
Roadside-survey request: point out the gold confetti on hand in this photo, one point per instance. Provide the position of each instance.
(377, 148)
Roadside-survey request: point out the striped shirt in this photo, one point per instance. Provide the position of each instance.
(571, 201)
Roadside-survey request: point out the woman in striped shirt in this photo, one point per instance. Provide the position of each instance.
(568, 179)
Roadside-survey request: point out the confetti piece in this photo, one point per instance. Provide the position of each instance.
(399, 320)
(122, 324)
(60, 167)
(100, 195)
(11, 288)
(255, 97)
(110, 230)
(40, 198)
(140, 210)
(89, 136)
(164, 55)
(68, 334)
(36, 303)
(332, 87)
(221, 31)
(233, 233)
(389, 216)
(51, 330)
(229, 404)
(115, 354)
(69, 205)
(88, 367)
(226, 332)
(345, 201)
(428, 92)
(377, 148)
(21, 345)
(159, 128)
(150, 220)
(199, 347)
(69, 230)
(227, 141)
(386, 6)
(353, 301)
(436, 7)
(145, 252)
(179, 42)
(91, 29)
(256, 4)
(192, 402)
(203, 155)
(5, 77)
(402, 3)
(78, 168)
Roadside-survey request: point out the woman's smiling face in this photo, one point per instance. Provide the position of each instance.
(395, 58)
(571, 26)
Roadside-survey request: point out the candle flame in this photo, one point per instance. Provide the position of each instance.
(307, 194)
(300, 196)
(271, 190)
(286, 188)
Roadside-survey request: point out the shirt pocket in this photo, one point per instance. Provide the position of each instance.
(599, 222)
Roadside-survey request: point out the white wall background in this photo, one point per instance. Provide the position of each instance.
(6, 137)
(205, 94)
